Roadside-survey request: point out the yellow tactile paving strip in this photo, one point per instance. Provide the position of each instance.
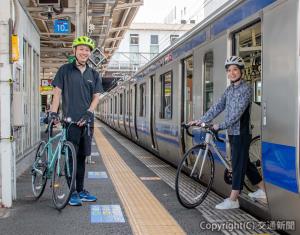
(145, 213)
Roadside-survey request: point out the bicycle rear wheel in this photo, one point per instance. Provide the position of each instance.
(63, 176)
(255, 158)
(194, 178)
(39, 170)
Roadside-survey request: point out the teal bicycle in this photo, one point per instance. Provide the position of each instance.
(55, 160)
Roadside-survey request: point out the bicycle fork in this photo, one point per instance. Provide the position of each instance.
(207, 140)
(64, 156)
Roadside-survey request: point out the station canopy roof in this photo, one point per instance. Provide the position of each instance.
(106, 21)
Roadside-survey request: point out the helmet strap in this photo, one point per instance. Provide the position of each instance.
(233, 82)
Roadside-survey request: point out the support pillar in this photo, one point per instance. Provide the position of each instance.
(6, 155)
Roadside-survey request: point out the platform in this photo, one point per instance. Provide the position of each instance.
(135, 193)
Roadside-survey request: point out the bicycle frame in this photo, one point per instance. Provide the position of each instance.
(52, 156)
(209, 142)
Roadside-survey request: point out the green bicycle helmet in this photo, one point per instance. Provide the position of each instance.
(84, 40)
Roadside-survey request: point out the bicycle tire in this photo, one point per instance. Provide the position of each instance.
(63, 176)
(255, 158)
(39, 181)
(190, 189)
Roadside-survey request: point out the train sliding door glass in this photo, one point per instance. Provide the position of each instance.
(125, 111)
(127, 117)
(208, 86)
(187, 96)
(247, 44)
(115, 111)
(134, 111)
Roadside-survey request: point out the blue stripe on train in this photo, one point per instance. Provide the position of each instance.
(199, 137)
(238, 14)
(279, 162)
(233, 17)
(279, 165)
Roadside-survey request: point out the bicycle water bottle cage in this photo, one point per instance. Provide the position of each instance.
(228, 176)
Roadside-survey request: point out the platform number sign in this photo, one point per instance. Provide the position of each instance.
(61, 26)
(97, 57)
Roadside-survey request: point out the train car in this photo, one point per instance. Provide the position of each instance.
(181, 83)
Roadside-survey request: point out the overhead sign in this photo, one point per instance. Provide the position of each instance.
(61, 26)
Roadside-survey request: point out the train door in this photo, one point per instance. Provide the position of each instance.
(111, 111)
(125, 112)
(120, 107)
(127, 125)
(152, 112)
(131, 125)
(116, 111)
(134, 111)
(248, 45)
(187, 111)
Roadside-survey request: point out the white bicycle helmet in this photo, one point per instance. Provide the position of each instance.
(236, 60)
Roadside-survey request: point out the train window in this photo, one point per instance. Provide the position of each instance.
(188, 81)
(166, 95)
(126, 102)
(130, 105)
(116, 105)
(248, 45)
(208, 81)
(111, 103)
(121, 104)
(143, 100)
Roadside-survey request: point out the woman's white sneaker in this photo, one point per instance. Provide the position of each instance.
(228, 204)
(258, 194)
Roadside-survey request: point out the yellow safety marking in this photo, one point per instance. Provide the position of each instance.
(145, 213)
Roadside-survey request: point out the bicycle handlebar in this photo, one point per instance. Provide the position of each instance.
(186, 126)
(208, 127)
(64, 121)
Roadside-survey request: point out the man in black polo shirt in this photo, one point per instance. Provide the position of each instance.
(80, 87)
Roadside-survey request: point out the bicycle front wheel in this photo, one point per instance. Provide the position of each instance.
(195, 175)
(63, 176)
(39, 170)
